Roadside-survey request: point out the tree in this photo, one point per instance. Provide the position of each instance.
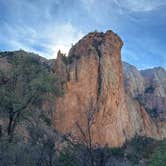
(80, 151)
(25, 86)
(85, 151)
(87, 133)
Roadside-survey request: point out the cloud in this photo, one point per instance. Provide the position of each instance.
(37, 26)
(140, 5)
(46, 42)
(62, 37)
(45, 27)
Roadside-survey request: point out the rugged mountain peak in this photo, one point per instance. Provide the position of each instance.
(96, 41)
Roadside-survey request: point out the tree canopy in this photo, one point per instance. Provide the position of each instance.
(25, 85)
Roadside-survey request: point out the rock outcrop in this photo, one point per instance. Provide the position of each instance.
(155, 80)
(133, 80)
(146, 100)
(92, 78)
(148, 87)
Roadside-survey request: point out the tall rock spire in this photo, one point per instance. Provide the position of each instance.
(92, 78)
(94, 74)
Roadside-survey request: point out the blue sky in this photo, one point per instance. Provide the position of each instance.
(44, 26)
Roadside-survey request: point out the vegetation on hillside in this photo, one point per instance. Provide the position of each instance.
(27, 135)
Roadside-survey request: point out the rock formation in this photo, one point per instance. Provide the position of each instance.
(133, 80)
(146, 89)
(102, 101)
(92, 78)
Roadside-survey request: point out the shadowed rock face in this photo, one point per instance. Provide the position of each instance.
(133, 80)
(146, 90)
(148, 87)
(93, 76)
(155, 80)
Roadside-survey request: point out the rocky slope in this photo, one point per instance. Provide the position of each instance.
(133, 80)
(147, 106)
(93, 81)
(148, 87)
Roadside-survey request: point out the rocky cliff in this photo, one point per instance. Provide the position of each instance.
(93, 81)
(148, 87)
(145, 91)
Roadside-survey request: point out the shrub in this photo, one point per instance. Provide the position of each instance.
(158, 157)
(150, 89)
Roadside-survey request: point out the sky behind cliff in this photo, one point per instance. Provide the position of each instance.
(45, 26)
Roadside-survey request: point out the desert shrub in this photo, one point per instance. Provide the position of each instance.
(67, 157)
(140, 143)
(158, 158)
(150, 89)
(138, 148)
(153, 112)
(117, 152)
(29, 83)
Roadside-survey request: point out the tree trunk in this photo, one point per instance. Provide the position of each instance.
(10, 124)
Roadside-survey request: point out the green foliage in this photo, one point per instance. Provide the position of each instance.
(140, 143)
(153, 112)
(158, 157)
(27, 154)
(150, 89)
(68, 60)
(26, 85)
(67, 158)
(46, 119)
(139, 147)
(117, 152)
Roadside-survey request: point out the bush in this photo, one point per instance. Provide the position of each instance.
(150, 89)
(158, 157)
(67, 158)
(153, 112)
(140, 143)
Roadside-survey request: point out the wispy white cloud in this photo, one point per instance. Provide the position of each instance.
(37, 26)
(47, 42)
(140, 5)
(45, 27)
(61, 37)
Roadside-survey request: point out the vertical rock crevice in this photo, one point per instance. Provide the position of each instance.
(97, 45)
(99, 79)
(76, 70)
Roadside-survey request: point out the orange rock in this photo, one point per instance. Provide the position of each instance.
(93, 82)
(94, 73)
